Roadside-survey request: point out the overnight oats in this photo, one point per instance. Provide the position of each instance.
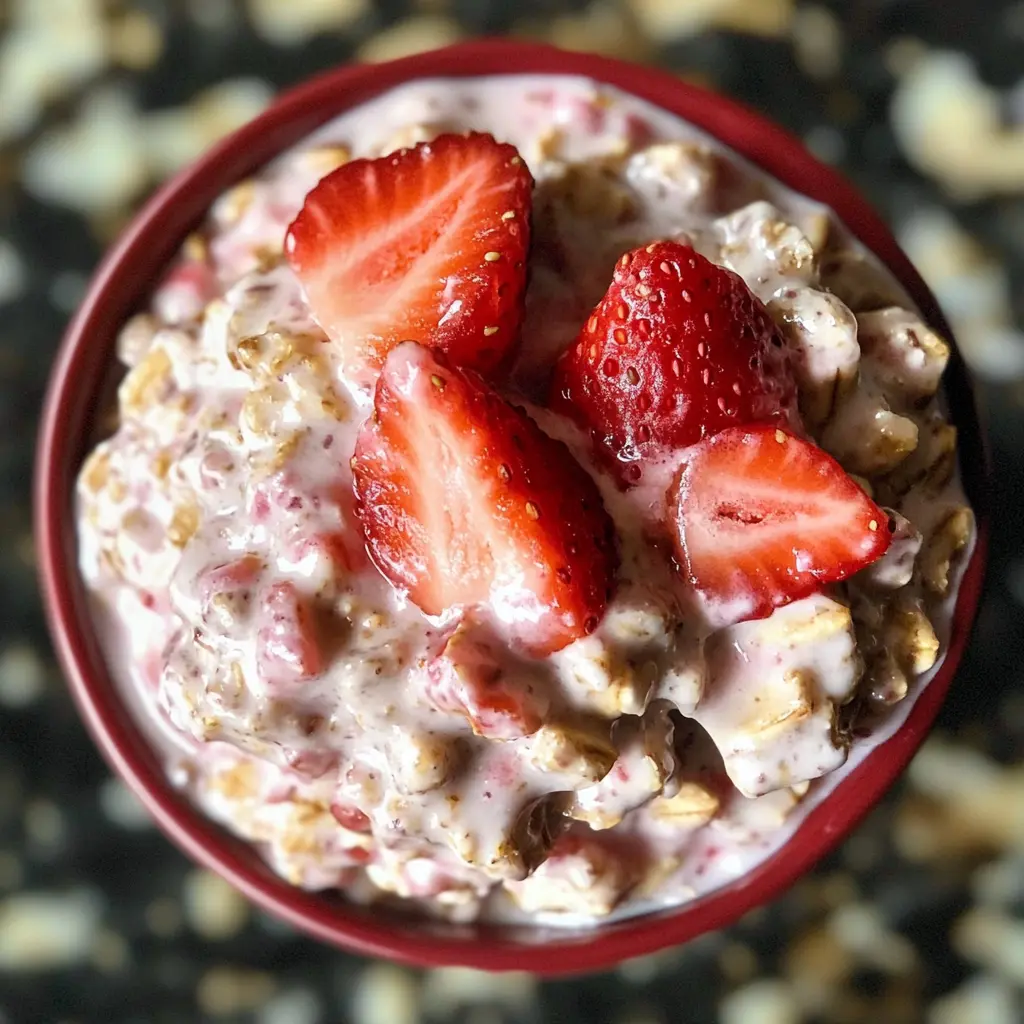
(521, 506)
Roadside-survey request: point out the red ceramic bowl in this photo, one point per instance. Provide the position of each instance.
(121, 285)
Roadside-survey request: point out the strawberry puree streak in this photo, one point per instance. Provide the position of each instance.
(299, 699)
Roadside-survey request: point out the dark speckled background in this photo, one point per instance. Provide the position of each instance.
(919, 917)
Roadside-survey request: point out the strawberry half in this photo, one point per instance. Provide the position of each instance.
(678, 349)
(428, 244)
(761, 518)
(465, 501)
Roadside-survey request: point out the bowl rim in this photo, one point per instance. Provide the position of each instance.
(119, 285)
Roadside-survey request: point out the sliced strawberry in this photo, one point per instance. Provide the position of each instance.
(286, 645)
(234, 579)
(350, 817)
(465, 501)
(762, 518)
(678, 349)
(476, 679)
(428, 244)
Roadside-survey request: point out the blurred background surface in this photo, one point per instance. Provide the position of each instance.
(918, 917)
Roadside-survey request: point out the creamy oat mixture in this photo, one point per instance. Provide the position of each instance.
(285, 679)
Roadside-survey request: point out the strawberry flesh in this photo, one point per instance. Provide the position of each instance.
(464, 501)
(474, 678)
(287, 650)
(677, 350)
(761, 518)
(427, 244)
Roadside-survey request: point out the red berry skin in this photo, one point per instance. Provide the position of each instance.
(677, 350)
